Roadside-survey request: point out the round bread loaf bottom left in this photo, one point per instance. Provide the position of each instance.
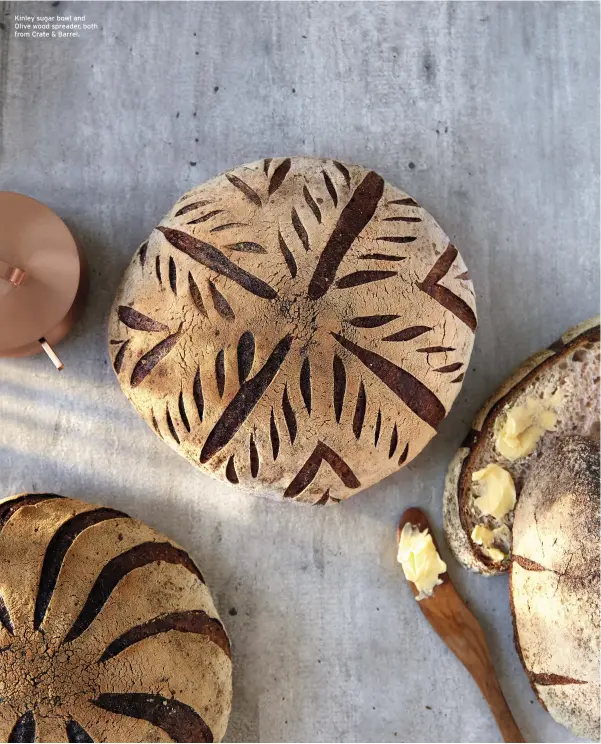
(107, 629)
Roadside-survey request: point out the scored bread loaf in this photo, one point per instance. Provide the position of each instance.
(107, 630)
(296, 327)
(554, 582)
(562, 382)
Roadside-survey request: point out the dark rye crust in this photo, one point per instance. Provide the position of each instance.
(485, 420)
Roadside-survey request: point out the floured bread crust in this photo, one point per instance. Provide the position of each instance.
(555, 583)
(107, 630)
(569, 367)
(296, 327)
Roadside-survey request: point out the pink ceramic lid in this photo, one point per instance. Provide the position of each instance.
(40, 272)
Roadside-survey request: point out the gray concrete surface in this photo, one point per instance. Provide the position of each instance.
(488, 114)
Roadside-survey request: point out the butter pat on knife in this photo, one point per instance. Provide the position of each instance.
(420, 560)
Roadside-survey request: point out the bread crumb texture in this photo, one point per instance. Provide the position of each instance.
(555, 583)
(554, 394)
(296, 327)
(107, 630)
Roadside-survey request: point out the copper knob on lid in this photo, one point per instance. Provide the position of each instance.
(43, 279)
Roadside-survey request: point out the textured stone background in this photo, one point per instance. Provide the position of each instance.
(487, 113)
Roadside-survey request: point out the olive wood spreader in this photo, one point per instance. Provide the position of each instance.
(459, 629)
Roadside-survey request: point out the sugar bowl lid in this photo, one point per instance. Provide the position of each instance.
(40, 276)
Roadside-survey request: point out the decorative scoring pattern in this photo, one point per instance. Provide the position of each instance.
(302, 311)
(101, 615)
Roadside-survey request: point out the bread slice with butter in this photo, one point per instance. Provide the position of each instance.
(554, 583)
(553, 393)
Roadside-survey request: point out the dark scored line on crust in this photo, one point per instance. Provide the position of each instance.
(288, 257)
(138, 321)
(344, 170)
(407, 202)
(170, 424)
(300, 229)
(172, 275)
(230, 471)
(221, 305)
(404, 455)
(181, 722)
(449, 368)
(142, 251)
(149, 361)
(544, 679)
(308, 471)
(191, 207)
(444, 296)
(527, 564)
(220, 371)
(24, 729)
(208, 255)
(339, 375)
(403, 219)
(266, 164)
(116, 569)
(377, 428)
(205, 217)
(197, 394)
(253, 456)
(76, 732)
(244, 188)
(56, 553)
(414, 394)
(330, 187)
(353, 218)
(227, 226)
(305, 383)
(196, 296)
(435, 350)
(182, 411)
(157, 269)
(274, 436)
(407, 334)
(242, 404)
(245, 353)
(382, 257)
(246, 246)
(359, 415)
(278, 176)
(372, 321)
(186, 621)
(363, 277)
(397, 239)
(120, 356)
(312, 204)
(289, 416)
(394, 441)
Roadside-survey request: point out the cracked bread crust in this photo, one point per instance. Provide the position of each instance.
(554, 583)
(561, 366)
(296, 327)
(107, 630)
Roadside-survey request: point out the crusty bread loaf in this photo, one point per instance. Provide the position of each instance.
(570, 366)
(296, 327)
(107, 630)
(554, 582)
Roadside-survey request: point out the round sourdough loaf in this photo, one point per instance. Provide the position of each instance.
(296, 326)
(555, 582)
(107, 630)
